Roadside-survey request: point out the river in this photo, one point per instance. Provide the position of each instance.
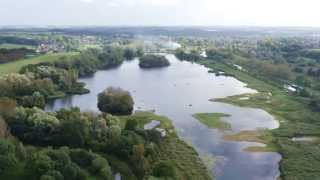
(179, 91)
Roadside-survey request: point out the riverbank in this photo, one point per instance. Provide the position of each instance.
(295, 116)
(187, 161)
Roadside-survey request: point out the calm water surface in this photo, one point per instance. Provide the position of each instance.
(178, 92)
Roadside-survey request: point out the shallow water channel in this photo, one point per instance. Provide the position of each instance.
(179, 91)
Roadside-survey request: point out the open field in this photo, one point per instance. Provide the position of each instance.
(15, 66)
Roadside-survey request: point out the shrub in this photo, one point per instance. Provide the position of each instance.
(164, 169)
(106, 173)
(131, 124)
(115, 101)
(36, 100)
(150, 61)
(129, 53)
(7, 155)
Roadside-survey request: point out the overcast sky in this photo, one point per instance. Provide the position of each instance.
(161, 12)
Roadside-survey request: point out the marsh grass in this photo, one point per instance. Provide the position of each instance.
(299, 161)
(213, 120)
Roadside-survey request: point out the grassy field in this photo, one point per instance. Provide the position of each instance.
(16, 46)
(213, 120)
(13, 67)
(90, 46)
(300, 161)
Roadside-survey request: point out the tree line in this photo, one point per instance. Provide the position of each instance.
(68, 143)
(8, 55)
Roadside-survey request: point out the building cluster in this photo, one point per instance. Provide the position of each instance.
(48, 47)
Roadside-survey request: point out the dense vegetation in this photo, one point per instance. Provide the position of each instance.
(115, 101)
(18, 40)
(70, 144)
(69, 127)
(54, 79)
(151, 61)
(38, 83)
(130, 53)
(7, 55)
(188, 56)
(88, 145)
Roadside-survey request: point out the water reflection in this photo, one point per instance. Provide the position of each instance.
(178, 92)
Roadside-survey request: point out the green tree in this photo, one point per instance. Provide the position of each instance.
(164, 169)
(150, 61)
(141, 163)
(131, 124)
(7, 108)
(115, 101)
(129, 53)
(8, 159)
(36, 100)
(111, 56)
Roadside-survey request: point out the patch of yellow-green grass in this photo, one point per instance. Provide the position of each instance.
(260, 136)
(266, 148)
(277, 104)
(90, 46)
(213, 120)
(14, 67)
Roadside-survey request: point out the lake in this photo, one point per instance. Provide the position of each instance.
(180, 90)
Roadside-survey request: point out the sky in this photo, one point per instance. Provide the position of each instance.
(160, 12)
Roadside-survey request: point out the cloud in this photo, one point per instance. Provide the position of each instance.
(165, 2)
(115, 3)
(87, 1)
(155, 3)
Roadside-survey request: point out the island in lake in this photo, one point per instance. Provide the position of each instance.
(153, 61)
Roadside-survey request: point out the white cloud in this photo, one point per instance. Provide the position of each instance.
(115, 3)
(155, 3)
(87, 1)
(165, 2)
